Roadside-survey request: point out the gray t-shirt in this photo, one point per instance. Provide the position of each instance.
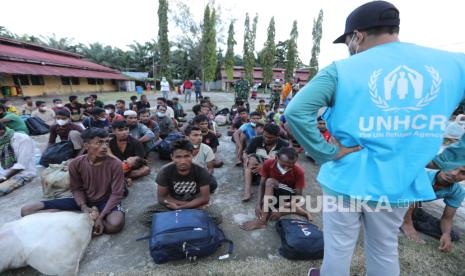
(204, 156)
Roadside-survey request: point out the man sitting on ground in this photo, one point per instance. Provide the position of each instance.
(133, 103)
(143, 103)
(97, 102)
(28, 107)
(98, 119)
(145, 118)
(244, 134)
(446, 186)
(123, 146)
(208, 137)
(182, 184)
(66, 130)
(280, 177)
(120, 107)
(260, 149)
(169, 110)
(16, 159)
(242, 118)
(139, 131)
(97, 184)
(12, 120)
(164, 122)
(75, 108)
(111, 114)
(58, 105)
(202, 154)
(179, 113)
(44, 113)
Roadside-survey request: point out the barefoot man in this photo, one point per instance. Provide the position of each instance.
(280, 177)
(97, 184)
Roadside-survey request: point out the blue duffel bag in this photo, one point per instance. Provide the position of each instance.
(300, 240)
(185, 234)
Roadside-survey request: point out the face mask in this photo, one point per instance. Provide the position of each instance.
(42, 109)
(350, 47)
(161, 114)
(62, 122)
(108, 111)
(196, 146)
(59, 105)
(281, 110)
(253, 124)
(102, 119)
(281, 169)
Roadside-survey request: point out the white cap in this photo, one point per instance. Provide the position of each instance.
(130, 113)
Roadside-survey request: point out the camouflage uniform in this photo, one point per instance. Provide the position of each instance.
(242, 88)
(275, 95)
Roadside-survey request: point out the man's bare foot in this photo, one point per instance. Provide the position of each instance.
(275, 216)
(247, 197)
(238, 163)
(94, 213)
(309, 216)
(410, 232)
(252, 225)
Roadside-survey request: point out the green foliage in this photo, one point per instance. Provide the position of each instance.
(163, 43)
(268, 54)
(249, 47)
(209, 44)
(292, 54)
(317, 33)
(229, 59)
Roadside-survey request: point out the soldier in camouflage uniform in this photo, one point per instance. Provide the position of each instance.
(276, 94)
(242, 89)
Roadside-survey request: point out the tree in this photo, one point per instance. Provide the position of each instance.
(281, 54)
(229, 59)
(292, 54)
(268, 55)
(249, 47)
(163, 42)
(209, 45)
(317, 32)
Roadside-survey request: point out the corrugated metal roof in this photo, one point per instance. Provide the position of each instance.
(11, 67)
(24, 58)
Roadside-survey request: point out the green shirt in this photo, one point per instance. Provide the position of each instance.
(15, 123)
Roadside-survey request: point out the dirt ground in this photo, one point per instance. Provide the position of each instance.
(256, 253)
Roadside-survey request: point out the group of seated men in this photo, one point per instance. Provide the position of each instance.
(112, 151)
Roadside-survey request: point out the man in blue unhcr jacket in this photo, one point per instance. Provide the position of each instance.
(389, 107)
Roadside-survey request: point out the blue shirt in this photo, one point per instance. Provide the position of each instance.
(249, 131)
(453, 195)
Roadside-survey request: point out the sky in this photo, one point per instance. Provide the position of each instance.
(437, 24)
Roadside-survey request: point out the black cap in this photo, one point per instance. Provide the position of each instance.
(370, 15)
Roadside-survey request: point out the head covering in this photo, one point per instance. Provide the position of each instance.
(7, 154)
(370, 15)
(63, 112)
(130, 113)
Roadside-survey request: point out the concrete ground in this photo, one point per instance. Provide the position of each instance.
(255, 252)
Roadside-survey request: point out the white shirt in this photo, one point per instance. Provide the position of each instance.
(204, 156)
(169, 111)
(165, 86)
(23, 147)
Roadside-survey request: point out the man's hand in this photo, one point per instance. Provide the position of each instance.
(445, 243)
(343, 151)
(98, 227)
(172, 205)
(259, 212)
(257, 168)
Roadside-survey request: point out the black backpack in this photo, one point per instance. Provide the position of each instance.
(37, 126)
(300, 240)
(57, 153)
(164, 148)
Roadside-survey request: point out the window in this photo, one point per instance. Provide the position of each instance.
(100, 81)
(74, 81)
(113, 82)
(21, 80)
(65, 81)
(91, 81)
(37, 80)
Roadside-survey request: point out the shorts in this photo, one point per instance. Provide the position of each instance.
(283, 190)
(69, 204)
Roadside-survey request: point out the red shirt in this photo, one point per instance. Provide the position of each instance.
(293, 178)
(187, 84)
(326, 135)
